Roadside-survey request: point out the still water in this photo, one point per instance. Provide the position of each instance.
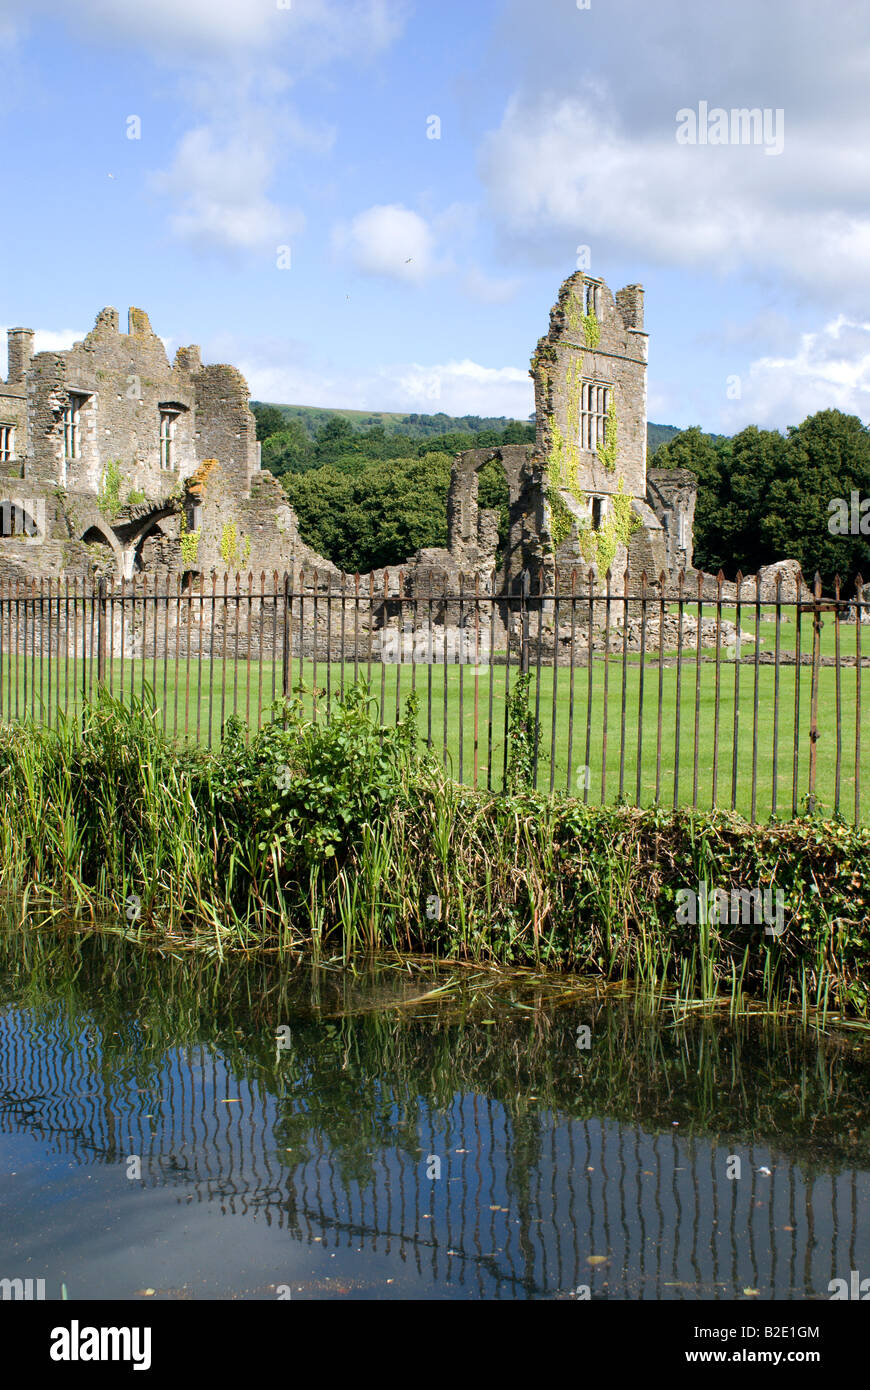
(183, 1128)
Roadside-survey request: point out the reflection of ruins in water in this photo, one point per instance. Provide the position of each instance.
(329, 1148)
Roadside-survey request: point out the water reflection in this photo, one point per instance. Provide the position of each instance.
(417, 1149)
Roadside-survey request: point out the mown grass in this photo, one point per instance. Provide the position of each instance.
(348, 836)
(644, 755)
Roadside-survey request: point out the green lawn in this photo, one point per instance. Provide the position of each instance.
(193, 699)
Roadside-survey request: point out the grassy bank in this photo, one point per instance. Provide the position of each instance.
(347, 837)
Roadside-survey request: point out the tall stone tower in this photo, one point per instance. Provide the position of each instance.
(590, 404)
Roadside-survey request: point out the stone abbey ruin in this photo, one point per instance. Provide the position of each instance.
(116, 464)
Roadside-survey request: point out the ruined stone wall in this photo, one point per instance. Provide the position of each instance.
(472, 533)
(125, 379)
(672, 493)
(603, 345)
(13, 397)
(225, 425)
(13, 411)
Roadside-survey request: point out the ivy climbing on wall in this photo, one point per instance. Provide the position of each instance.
(591, 329)
(600, 547)
(230, 553)
(189, 543)
(573, 309)
(109, 491)
(607, 450)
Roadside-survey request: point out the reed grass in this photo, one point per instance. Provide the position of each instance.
(347, 837)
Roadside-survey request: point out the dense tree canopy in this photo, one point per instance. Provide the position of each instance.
(764, 496)
(269, 419)
(372, 496)
(375, 517)
(361, 514)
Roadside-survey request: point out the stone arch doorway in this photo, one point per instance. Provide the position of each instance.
(103, 548)
(491, 538)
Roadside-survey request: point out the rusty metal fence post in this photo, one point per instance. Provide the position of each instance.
(101, 633)
(285, 641)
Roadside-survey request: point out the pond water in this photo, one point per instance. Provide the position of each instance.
(177, 1127)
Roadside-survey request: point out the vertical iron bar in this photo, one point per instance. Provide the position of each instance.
(211, 656)
(538, 678)
(681, 580)
(476, 673)
(624, 682)
(237, 604)
(285, 641)
(776, 658)
(814, 690)
(799, 584)
(402, 646)
(572, 660)
(641, 674)
(738, 652)
(444, 669)
(859, 595)
(697, 730)
(838, 703)
(492, 617)
(590, 673)
(604, 699)
(755, 699)
(226, 616)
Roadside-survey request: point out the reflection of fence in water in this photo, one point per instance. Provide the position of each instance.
(520, 1205)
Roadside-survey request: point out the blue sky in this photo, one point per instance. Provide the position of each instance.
(422, 270)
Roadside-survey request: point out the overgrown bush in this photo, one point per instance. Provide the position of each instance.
(342, 832)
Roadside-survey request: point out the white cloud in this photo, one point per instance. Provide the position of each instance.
(314, 31)
(456, 388)
(828, 369)
(559, 171)
(238, 58)
(389, 241)
(585, 150)
(218, 184)
(44, 340)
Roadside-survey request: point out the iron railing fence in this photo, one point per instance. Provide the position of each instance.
(722, 696)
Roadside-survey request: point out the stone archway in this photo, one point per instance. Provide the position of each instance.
(97, 533)
(472, 532)
(134, 529)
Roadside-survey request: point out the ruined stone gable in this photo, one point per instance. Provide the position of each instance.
(591, 367)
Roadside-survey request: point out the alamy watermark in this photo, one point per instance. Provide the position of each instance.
(452, 646)
(855, 1288)
(22, 517)
(850, 518)
(742, 125)
(739, 905)
(22, 1290)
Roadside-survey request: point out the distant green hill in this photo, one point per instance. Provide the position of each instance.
(417, 426)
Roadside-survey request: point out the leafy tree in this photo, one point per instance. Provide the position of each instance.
(696, 451)
(376, 516)
(764, 496)
(269, 419)
(828, 457)
(289, 450)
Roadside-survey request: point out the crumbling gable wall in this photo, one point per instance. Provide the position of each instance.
(672, 493)
(595, 343)
(122, 382)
